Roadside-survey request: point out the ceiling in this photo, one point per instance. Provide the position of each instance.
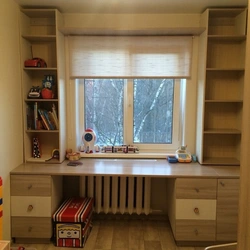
(132, 6)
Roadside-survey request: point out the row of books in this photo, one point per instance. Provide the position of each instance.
(41, 118)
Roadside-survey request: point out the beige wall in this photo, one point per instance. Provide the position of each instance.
(131, 24)
(131, 21)
(11, 140)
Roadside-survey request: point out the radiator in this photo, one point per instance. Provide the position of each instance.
(113, 194)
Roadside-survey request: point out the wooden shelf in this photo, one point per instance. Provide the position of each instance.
(41, 100)
(39, 13)
(225, 69)
(40, 69)
(224, 101)
(40, 38)
(221, 86)
(227, 37)
(42, 131)
(226, 161)
(43, 159)
(222, 131)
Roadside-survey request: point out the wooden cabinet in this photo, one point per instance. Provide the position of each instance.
(221, 86)
(34, 198)
(41, 38)
(227, 209)
(203, 210)
(192, 211)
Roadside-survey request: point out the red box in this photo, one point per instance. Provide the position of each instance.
(72, 222)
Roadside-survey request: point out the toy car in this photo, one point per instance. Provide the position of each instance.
(35, 62)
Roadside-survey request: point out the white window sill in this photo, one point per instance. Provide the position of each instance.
(144, 155)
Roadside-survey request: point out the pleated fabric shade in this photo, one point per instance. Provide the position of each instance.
(130, 56)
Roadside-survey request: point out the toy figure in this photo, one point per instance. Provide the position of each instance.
(89, 138)
(48, 83)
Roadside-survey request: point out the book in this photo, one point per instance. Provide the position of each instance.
(30, 117)
(54, 113)
(44, 120)
(46, 115)
(35, 115)
(53, 120)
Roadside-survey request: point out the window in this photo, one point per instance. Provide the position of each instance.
(143, 112)
(129, 64)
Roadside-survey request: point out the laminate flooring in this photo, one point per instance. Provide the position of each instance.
(126, 233)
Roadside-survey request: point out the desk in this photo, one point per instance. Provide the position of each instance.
(130, 167)
(35, 185)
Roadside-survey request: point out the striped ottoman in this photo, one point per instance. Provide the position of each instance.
(72, 222)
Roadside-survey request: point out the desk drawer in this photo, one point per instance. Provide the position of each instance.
(30, 227)
(195, 209)
(30, 185)
(190, 188)
(193, 230)
(31, 206)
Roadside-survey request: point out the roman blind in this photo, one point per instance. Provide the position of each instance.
(130, 56)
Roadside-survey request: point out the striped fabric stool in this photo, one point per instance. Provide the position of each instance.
(72, 222)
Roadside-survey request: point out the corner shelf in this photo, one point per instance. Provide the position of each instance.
(40, 38)
(222, 86)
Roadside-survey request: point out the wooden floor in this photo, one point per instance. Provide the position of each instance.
(126, 233)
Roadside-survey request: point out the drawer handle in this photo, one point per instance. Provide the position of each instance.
(29, 229)
(196, 232)
(196, 210)
(30, 186)
(197, 190)
(30, 208)
(222, 184)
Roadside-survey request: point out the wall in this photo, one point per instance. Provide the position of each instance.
(11, 143)
(132, 22)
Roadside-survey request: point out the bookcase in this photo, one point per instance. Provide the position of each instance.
(41, 38)
(221, 86)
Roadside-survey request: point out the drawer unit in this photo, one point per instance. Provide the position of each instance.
(34, 198)
(192, 209)
(202, 210)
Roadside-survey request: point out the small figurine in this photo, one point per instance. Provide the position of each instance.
(48, 83)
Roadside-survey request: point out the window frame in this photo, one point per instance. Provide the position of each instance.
(128, 127)
(128, 123)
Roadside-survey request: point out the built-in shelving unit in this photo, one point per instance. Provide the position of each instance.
(41, 38)
(221, 86)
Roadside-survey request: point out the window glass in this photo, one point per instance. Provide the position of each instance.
(104, 109)
(153, 110)
(139, 111)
